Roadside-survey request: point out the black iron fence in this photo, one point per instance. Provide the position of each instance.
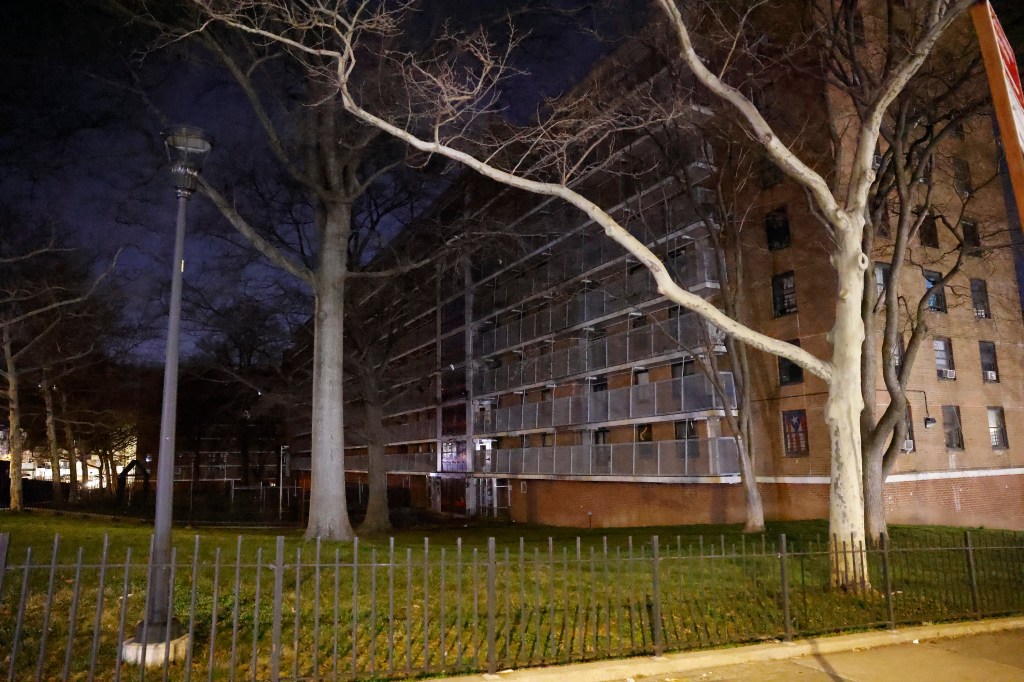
(317, 612)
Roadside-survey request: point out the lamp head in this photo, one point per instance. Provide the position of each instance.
(187, 147)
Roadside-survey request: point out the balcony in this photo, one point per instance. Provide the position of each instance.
(417, 462)
(684, 395)
(695, 269)
(396, 433)
(684, 333)
(675, 458)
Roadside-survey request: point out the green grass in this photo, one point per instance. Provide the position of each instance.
(560, 594)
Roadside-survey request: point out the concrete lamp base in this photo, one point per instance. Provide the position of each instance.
(131, 651)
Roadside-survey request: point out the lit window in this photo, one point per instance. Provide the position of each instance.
(936, 291)
(794, 432)
(644, 433)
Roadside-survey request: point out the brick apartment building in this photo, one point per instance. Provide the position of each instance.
(554, 385)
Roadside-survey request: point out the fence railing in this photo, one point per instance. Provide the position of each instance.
(691, 457)
(312, 611)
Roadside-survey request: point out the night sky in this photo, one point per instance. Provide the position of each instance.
(80, 148)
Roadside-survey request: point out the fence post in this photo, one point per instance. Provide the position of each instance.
(5, 541)
(492, 605)
(972, 573)
(659, 635)
(275, 645)
(883, 538)
(787, 621)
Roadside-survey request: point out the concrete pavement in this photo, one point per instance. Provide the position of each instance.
(989, 651)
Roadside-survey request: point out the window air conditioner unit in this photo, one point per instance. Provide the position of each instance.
(908, 445)
(980, 313)
(947, 373)
(991, 375)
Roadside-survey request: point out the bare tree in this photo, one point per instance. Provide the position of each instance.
(326, 34)
(42, 280)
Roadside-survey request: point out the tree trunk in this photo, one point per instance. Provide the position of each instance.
(751, 493)
(51, 439)
(73, 456)
(14, 423)
(328, 514)
(874, 500)
(378, 516)
(843, 413)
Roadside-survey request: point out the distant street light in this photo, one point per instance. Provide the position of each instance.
(186, 149)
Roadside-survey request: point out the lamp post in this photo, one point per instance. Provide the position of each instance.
(186, 148)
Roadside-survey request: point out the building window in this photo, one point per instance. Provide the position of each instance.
(979, 299)
(545, 395)
(790, 372)
(794, 432)
(989, 366)
(882, 271)
(599, 384)
(962, 176)
(601, 437)
(997, 429)
(936, 291)
(641, 377)
(944, 358)
(547, 439)
(971, 236)
(928, 233)
(686, 429)
(776, 228)
(644, 433)
(951, 426)
(784, 294)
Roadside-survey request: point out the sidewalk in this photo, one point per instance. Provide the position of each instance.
(989, 651)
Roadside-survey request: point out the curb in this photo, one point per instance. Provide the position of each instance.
(647, 666)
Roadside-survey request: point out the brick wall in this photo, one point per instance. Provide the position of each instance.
(990, 501)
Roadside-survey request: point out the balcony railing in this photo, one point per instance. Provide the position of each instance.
(683, 395)
(697, 270)
(695, 457)
(410, 462)
(687, 332)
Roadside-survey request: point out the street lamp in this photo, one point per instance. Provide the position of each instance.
(159, 634)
